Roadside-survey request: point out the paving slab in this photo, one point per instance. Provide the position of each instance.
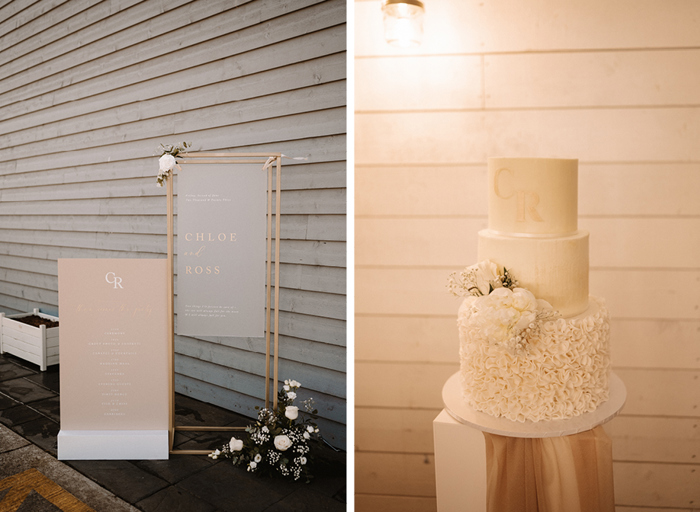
(173, 499)
(49, 379)
(50, 407)
(6, 402)
(17, 415)
(9, 370)
(175, 469)
(25, 390)
(121, 477)
(41, 431)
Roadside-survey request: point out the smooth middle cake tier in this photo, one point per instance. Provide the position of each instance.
(552, 268)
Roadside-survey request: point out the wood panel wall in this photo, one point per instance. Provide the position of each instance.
(614, 84)
(88, 90)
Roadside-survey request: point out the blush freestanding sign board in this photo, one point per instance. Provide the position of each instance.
(221, 250)
(114, 359)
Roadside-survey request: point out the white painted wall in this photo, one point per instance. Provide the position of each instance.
(88, 90)
(614, 84)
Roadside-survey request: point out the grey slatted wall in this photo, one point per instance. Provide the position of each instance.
(87, 92)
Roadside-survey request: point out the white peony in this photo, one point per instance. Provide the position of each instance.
(236, 445)
(166, 163)
(282, 443)
(504, 313)
(291, 412)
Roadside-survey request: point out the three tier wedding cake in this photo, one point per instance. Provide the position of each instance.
(533, 344)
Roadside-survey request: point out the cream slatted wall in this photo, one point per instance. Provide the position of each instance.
(87, 92)
(614, 84)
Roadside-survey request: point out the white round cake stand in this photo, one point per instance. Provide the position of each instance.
(462, 412)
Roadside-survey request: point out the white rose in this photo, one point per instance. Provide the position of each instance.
(282, 443)
(307, 435)
(253, 464)
(310, 429)
(292, 395)
(166, 163)
(294, 384)
(236, 445)
(286, 387)
(291, 412)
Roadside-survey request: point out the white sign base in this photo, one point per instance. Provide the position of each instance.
(113, 445)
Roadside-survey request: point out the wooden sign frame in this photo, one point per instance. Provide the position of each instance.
(266, 160)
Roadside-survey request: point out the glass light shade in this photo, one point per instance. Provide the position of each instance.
(403, 22)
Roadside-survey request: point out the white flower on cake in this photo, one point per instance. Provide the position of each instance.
(480, 279)
(495, 309)
(504, 313)
(506, 317)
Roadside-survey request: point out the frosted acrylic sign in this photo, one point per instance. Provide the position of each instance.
(221, 250)
(115, 391)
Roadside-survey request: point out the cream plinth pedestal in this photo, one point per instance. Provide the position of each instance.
(460, 465)
(460, 453)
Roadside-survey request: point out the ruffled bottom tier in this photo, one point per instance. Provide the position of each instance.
(561, 372)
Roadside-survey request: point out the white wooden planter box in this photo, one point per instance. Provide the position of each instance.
(37, 345)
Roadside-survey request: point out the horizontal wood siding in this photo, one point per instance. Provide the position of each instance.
(87, 92)
(612, 84)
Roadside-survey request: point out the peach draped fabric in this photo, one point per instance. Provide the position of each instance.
(550, 474)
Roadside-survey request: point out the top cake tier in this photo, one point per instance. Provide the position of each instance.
(537, 196)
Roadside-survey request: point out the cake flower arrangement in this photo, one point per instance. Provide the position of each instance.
(278, 442)
(167, 161)
(502, 313)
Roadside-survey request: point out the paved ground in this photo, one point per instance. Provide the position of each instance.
(32, 479)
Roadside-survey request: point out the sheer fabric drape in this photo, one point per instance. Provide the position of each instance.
(550, 474)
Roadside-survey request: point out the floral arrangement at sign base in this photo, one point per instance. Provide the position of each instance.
(277, 444)
(167, 160)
